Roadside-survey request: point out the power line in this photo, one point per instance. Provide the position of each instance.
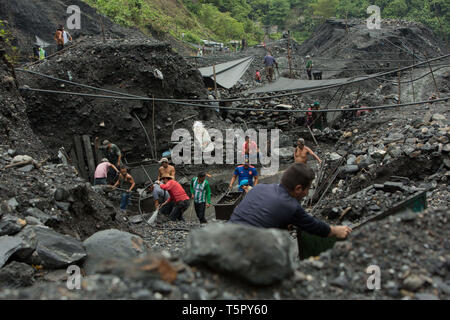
(233, 108)
(314, 89)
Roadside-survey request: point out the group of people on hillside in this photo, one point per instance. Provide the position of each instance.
(269, 62)
(61, 37)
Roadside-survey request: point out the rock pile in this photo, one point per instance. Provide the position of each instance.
(416, 150)
(367, 203)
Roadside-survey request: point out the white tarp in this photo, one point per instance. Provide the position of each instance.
(286, 84)
(41, 43)
(228, 73)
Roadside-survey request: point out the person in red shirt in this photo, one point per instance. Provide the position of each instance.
(176, 195)
(258, 76)
(249, 147)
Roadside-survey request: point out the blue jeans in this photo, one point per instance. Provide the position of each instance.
(125, 201)
(99, 181)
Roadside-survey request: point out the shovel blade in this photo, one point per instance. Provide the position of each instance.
(152, 219)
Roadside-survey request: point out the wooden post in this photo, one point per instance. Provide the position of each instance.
(399, 89)
(89, 157)
(346, 26)
(215, 82)
(289, 54)
(432, 74)
(412, 82)
(153, 125)
(73, 159)
(103, 29)
(80, 157)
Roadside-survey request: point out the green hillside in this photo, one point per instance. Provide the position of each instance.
(224, 20)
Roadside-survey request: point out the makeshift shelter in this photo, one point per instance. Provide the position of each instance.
(286, 84)
(227, 74)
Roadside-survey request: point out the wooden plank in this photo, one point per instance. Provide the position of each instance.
(74, 159)
(80, 157)
(89, 156)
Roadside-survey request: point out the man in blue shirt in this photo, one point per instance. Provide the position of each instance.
(269, 61)
(277, 205)
(244, 172)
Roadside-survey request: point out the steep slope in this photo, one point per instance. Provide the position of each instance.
(40, 18)
(15, 129)
(126, 66)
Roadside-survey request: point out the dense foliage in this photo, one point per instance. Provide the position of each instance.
(225, 20)
(6, 39)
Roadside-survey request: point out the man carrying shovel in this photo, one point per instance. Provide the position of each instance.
(177, 195)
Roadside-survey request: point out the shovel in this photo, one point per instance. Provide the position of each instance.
(152, 219)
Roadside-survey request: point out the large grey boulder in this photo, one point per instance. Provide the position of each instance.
(8, 246)
(41, 216)
(16, 275)
(54, 250)
(258, 256)
(10, 225)
(111, 244)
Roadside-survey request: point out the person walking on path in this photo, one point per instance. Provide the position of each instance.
(59, 38)
(244, 172)
(201, 193)
(269, 61)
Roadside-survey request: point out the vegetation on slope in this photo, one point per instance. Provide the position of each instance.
(225, 20)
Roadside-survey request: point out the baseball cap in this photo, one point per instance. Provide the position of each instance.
(106, 142)
(163, 160)
(243, 183)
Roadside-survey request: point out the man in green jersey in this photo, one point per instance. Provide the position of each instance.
(201, 193)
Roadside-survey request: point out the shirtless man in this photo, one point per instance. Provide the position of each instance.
(301, 152)
(166, 169)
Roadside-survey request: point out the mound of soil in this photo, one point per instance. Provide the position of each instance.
(15, 129)
(125, 66)
(29, 19)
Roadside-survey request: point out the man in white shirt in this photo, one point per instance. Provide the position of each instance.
(67, 37)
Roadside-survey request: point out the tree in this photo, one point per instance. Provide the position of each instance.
(278, 12)
(324, 8)
(396, 9)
